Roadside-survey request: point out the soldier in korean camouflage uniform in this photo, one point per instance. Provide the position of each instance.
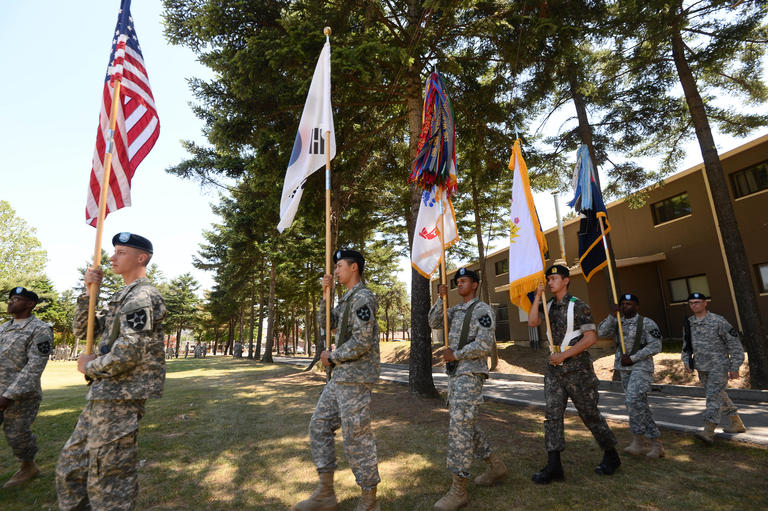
(636, 370)
(467, 370)
(569, 374)
(98, 466)
(346, 398)
(25, 344)
(712, 347)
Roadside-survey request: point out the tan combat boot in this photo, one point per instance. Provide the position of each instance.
(707, 435)
(495, 472)
(27, 472)
(736, 426)
(323, 498)
(637, 447)
(456, 498)
(657, 449)
(368, 501)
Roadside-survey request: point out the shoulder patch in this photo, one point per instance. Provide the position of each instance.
(485, 320)
(44, 347)
(364, 313)
(733, 332)
(137, 320)
(654, 332)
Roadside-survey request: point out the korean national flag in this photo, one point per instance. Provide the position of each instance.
(309, 148)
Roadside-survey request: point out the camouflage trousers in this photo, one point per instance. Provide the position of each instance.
(715, 383)
(574, 379)
(17, 423)
(636, 385)
(465, 438)
(345, 405)
(98, 466)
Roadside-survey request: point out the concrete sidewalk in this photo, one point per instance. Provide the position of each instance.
(674, 407)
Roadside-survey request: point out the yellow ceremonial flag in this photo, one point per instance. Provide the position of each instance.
(527, 244)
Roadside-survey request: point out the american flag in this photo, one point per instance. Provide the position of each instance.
(137, 125)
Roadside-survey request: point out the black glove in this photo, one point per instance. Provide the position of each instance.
(626, 360)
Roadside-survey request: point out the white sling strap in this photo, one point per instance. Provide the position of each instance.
(570, 334)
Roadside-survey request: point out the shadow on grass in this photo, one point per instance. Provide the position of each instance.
(232, 434)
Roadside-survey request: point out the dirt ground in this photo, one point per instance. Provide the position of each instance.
(524, 360)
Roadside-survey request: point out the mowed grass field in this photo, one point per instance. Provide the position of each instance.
(232, 435)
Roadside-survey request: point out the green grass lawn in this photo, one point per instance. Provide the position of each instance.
(232, 435)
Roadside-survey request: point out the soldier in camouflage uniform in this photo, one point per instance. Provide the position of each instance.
(25, 343)
(636, 370)
(346, 398)
(712, 347)
(98, 466)
(471, 339)
(569, 373)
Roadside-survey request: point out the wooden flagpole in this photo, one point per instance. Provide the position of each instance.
(328, 294)
(443, 277)
(93, 289)
(613, 285)
(546, 320)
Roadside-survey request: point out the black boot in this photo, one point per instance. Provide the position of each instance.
(552, 472)
(610, 463)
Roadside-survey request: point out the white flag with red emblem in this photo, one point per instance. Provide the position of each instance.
(426, 251)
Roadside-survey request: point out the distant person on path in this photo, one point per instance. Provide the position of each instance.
(346, 398)
(98, 466)
(471, 338)
(238, 349)
(186, 349)
(25, 344)
(569, 374)
(642, 340)
(712, 347)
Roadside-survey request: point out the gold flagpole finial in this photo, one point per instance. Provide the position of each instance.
(327, 31)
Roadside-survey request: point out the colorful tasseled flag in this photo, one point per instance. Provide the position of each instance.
(137, 126)
(435, 162)
(588, 201)
(527, 244)
(430, 225)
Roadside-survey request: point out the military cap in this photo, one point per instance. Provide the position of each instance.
(466, 272)
(350, 254)
(127, 239)
(629, 297)
(697, 296)
(26, 293)
(558, 269)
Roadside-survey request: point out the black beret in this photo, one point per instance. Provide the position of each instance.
(697, 296)
(350, 254)
(127, 239)
(629, 297)
(466, 272)
(26, 293)
(558, 269)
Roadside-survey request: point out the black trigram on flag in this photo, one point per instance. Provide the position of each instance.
(317, 144)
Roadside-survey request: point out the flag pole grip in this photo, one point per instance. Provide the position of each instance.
(93, 289)
(613, 286)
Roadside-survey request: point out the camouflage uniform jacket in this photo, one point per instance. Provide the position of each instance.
(473, 356)
(558, 318)
(357, 359)
(716, 344)
(650, 344)
(133, 367)
(24, 350)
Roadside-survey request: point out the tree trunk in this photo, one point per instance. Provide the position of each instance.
(230, 336)
(270, 313)
(261, 309)
(755, 335)
(485, 292)
(251, 322)
(420, 361)
(178, 337)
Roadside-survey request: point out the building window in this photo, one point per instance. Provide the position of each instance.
(502, 313)
(750, 180)
(762, 277)
(671, 208)
(502, 266)
(679, 289)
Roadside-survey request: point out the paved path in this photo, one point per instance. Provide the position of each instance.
(681, 413)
